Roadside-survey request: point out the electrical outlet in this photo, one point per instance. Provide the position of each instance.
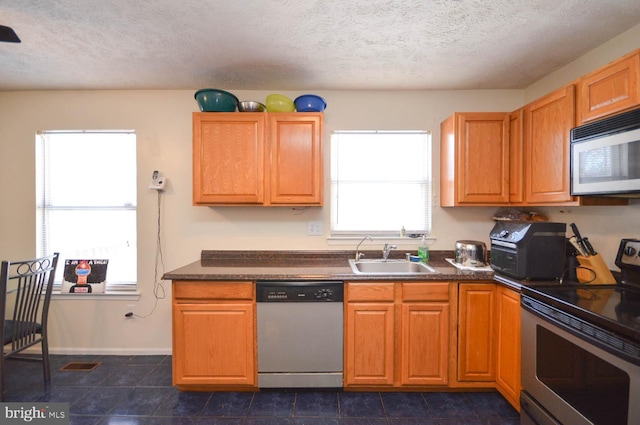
(130, 308)
(314, 228)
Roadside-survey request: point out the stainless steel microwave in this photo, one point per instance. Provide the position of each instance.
(605, 156)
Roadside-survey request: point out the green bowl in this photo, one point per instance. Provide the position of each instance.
(279, 103)
(214, 100)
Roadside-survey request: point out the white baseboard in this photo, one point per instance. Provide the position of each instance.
(104, 351)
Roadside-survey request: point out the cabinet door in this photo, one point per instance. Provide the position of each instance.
(476, 333)
(475, 159)
(508, 347)
(214, 344)
(610, 89)
(369, 344)
(548, 122)
(516, 150)
(296, 168)
(228, 158)
(425, 343)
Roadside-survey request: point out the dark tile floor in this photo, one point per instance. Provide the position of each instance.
(134, 390)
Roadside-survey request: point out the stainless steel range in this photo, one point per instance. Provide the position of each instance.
(581, 349)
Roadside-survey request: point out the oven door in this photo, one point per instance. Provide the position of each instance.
(575, 381)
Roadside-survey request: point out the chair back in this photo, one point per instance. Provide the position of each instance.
(25, 295)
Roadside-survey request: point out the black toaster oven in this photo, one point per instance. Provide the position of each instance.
(528, 250)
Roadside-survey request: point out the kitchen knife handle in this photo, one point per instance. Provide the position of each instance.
(589, 247)
(579, 238)
(576, 231)
(579, 249)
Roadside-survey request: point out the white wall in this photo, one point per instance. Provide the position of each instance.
(162, 121)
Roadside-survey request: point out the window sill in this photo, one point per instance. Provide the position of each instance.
(109, 295)
(399, 240)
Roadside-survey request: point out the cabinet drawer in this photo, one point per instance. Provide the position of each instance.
(213, 290)
(370, 291)
(425, 291)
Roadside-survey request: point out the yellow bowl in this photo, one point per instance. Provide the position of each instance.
(279, 103)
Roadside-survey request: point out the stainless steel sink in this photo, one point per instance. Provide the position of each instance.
(400, 267)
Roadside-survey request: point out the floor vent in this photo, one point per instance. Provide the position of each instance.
(80, 366)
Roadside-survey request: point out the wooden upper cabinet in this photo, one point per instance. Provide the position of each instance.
(228, 158)
(474, 163)
(547, 123)
(610, 89)
(516, 162)
(257, 158)
(296, 159)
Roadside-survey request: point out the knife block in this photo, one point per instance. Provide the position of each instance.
(595, 263)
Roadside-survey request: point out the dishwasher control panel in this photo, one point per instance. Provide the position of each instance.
(303, 291)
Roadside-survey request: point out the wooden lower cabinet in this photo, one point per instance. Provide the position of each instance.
(396, 334)
(214, 335)
(476, 332)
(508, 345)
(369, 356)
(424, 344)
(489, 339)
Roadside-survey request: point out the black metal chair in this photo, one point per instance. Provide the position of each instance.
(25, 294)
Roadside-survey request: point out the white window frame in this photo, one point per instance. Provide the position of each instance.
(44, 206)
(388, 171)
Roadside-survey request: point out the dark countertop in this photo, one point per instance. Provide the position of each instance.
(309, 265)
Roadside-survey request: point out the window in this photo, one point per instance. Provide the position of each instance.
(380, 182)
(86, 200)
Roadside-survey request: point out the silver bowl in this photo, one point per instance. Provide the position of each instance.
(251, 106)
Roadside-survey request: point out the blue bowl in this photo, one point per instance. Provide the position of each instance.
(213, 100)
(310, 103)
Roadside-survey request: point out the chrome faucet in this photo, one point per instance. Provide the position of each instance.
(387, 250)
(358, 254)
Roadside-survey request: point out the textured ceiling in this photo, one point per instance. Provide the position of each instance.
(300, 44)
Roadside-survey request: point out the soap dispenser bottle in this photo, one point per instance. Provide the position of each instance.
(423, 250)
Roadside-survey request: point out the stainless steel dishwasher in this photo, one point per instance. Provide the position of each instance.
(300, 334)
